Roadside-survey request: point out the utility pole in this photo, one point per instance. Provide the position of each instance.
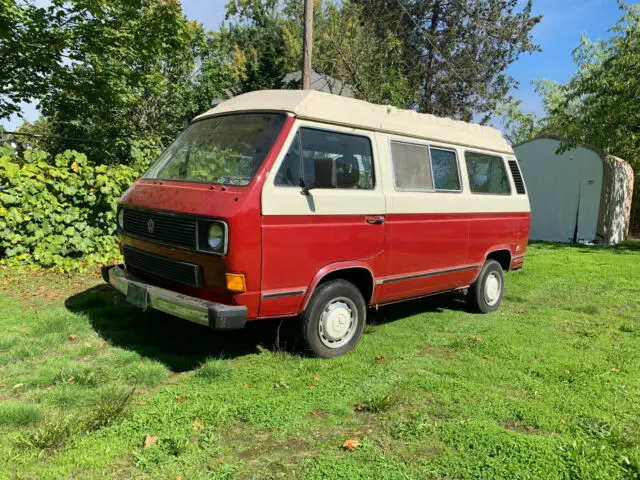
(308, 44)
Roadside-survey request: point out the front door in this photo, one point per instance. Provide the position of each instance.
(301, 234)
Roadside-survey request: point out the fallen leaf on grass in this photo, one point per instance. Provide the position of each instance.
(18, 385)
(315, 412)
(150, 440)
(563, 421)
(535, 362)
(180, 398)
(197, 425)
(219, 461)
(144, 404)
(521, 311)
(73, 337)
(615, 370)
(71, 380)
(351, 445)
(178, 477)
(316, 378)
(53, 295)
(102, 345)
(380, 359)
(477, 338)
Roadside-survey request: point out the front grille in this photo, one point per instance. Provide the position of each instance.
(169, 229)
(163, 267)
(517, 177)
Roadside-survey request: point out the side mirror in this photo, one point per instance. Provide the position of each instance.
(326, 175)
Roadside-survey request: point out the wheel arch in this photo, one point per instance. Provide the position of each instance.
(358, 273)
(501, 254)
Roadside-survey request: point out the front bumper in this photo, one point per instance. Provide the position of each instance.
(142, 294)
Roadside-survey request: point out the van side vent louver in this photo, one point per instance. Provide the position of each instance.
(517, 177)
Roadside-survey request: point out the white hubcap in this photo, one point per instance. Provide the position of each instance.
(492, 289)
(338, 322)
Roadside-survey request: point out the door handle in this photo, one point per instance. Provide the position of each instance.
(375, 221)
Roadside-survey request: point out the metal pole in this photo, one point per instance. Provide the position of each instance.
(308, 44)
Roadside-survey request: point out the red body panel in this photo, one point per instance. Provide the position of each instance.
(296, 248)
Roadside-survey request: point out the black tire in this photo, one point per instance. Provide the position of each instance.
(482, 298)
(343, 298)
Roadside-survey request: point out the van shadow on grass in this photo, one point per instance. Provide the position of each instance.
(179, 344)
(431, 304)
(183, 346)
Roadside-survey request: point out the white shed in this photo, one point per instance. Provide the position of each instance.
(580, 195)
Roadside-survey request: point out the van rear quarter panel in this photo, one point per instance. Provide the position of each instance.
(437, 241)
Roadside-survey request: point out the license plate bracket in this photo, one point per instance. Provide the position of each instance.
(138, 296)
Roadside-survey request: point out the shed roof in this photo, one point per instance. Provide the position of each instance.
(338, 110)
(603, 156)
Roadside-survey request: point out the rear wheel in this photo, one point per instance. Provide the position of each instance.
(334, 319)
(485, 295)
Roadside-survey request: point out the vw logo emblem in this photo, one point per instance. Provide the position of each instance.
(151, 226)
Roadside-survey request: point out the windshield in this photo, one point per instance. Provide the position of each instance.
(228, 149)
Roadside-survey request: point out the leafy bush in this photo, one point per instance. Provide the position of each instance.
(59, 213)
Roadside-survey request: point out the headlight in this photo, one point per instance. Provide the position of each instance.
(215, 238)
(121, 218)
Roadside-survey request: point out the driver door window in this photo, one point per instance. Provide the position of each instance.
(353, 154)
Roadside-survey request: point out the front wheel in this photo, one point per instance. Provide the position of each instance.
(485, 294)
(334, 319)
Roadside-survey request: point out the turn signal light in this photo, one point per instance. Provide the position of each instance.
(236, 282)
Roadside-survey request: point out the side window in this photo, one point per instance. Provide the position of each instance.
(353, 154)
(445, 169)
(487, 174)
(411, 167)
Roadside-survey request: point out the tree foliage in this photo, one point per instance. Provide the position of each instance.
(264, 39)
(128, 73)
(599, 105)
(456, 52)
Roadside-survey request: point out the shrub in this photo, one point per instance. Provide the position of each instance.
(59, 213)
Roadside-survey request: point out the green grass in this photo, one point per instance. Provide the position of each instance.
(548, 387)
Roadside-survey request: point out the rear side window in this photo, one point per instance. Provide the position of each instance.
(411, 166)
(418, 167)
(353, 154)
(487, 174)
(445, 169)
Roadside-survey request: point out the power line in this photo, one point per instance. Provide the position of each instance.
(453, 70)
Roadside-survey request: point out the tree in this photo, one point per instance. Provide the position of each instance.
(127, 74)
(599, 105)
(517, 125)
(132, 78)
(264, 41)
(32, 44)
(456, 52)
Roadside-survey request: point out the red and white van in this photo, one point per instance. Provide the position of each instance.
(303, 204)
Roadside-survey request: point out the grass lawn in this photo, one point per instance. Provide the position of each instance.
(547, 387)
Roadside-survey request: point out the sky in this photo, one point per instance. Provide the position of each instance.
(563, 24)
